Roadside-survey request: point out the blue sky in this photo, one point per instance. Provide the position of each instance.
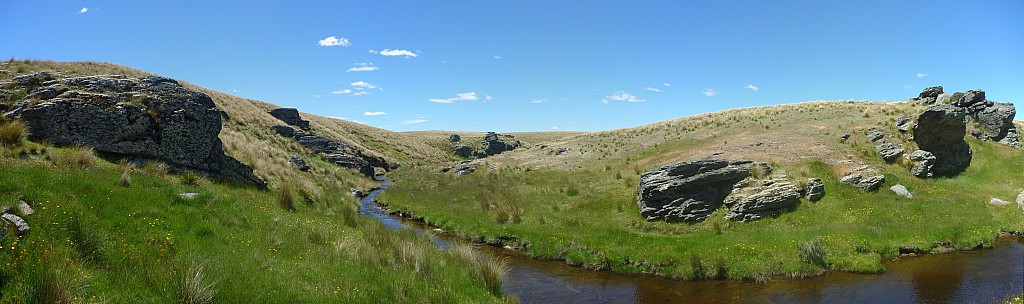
(538, 65)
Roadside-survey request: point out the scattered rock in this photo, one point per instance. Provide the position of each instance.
(148, 118)
(940, 129)
(351, 162)
(875, 134)
(844, 137)
(923, 163)
(454, 138)
(903, 123)
(889, 151)
(285, 131)
(6, 209)
(24, 208)
(767, 200)
(357, 193)
(463, 151)
(18, 223)
(298, 162)
(901, 191)
(688, 191)
(972, 100)
(997, 202)
(290, 116)
(815, 189)
(869, 184)
(560, 150)
(188, 195)
(930, 95)
(495, 143)
(465, 168)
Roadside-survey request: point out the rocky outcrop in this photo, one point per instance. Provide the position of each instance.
(285, 131)
(940, 130)
(688, 191)
(337, 152)
(462, 168)
(924, 162)
(463, 151)
(298, 162)
(495, 143)
(454, 138)
(889, 151)
(350, 161)
(139, 119)
(815, 189)
(875, 135)
(995, 123)
(904, 123)
(290, 116)
(771, 198)
(930, 95)
(868, 184)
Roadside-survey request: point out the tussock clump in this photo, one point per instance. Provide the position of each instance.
(13, 133)
(812, 251)
(78, 157)
(491, 270)
(285, 198)
(195, 287)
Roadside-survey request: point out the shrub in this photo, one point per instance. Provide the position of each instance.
(285, 197)
(12, 134)
(812, 251)
(194, 287)
(77, 157)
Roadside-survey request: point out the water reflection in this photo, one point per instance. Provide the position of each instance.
(985, 275)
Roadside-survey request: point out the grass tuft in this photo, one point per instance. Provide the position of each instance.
(812, 251)
(77, 157)
(285, 197)
(13, 133)
(195, 288)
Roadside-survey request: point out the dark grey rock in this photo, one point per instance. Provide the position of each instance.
(357, 193)
(463, 151)
(940, 129)
(901, 191)
(560, 150)
(769, 200)
(138, 118)
(889, 151)
(688, 191)
(454, 138)
(844, 137)
(995, 123)
(465, 168)
(815, 189)
(868, 184)
(923, 163)
(494, 143)
(285, 131)
(19, 223)
(930, 92)
(298, 162)
(1012, 138)
(351, 162)
(903, 123)
(972, 100)
(875, 135)
(290, 116)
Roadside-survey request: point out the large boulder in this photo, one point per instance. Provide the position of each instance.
(495, 143)
(463, 151)
(889, 151)
(290, 116)
(688, 191)
(140, 119)
(929, 95)
(924, 163)
(763, 201)
(940, 129)
(996, 123)
(351, 162)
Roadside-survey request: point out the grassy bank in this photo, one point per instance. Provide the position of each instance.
(582, 208)
(105, 232)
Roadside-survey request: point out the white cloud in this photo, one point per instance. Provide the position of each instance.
(497, 57)
(362, 67)
(374, 113)
(387, 52)
(83, 10)
(652, 89)
(752, 87)
(920, 75)
(335, 41)
(468, 96)
(360, 93)
(622, 96)
(360, 85)
(555, 128)
(413, 121)
(339, 92)
(906, 87)
(709, 92)
(488, 98)
(536, 100)
(666, 84)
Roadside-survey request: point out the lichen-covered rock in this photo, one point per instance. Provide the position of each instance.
(298, 162)
(764, 201)
(351, 162)
(688, 191)
(940, 129)
(875, 135)
(904, 123)
(149, 118)
(815, 189)
(923, 163)
(868, 184)
(20, 224)
(889, 151)
(929, 95)
(290, 116)
(901, 190)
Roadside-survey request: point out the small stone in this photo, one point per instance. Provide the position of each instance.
(875, 135)
(997, 202)
(25, 208)
(815, 189)
(188, 195)
(18, 222)
(901, 191)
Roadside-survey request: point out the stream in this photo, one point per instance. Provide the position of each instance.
(979, 276)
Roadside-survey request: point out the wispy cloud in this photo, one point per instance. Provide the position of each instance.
(362, 67)
(362, 85)
(389, 52)
(709, 92)
(335, 41)
(83, 10)
(752, 87)
(488, 98)
(555, 128)
(920, 75)
(653, 89)
(413, 121)
(374, 113)
(536, 100)
(468, 96)
(339, 92)
(497, 57)
(622, 96)
(360, 93)
(666, 84)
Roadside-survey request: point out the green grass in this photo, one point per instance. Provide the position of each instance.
(93, 239)
(588, 217)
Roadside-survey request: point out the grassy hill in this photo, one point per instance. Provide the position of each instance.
(105, 231)
(581, 206)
